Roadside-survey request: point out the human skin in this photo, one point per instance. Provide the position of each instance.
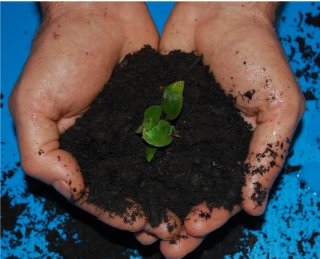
(72, 57)
(77, 41)
(239, 44)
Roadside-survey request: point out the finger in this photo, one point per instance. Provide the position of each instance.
(167, 229)
(276, 122)
(132, 220)
(178, 33)
(41, 156)
(268, 149)
(257, 64)
(202, 220)
(181, 246)
(138, 32)
(145, 238)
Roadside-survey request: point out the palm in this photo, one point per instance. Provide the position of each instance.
(72, 58)
(79, 69)
(242, 51)
(248, 61)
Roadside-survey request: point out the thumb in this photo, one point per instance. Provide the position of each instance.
(178, 33)
(268, 149)
(41, 157)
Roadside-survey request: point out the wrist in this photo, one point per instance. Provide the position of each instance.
(228, 12)
(56, 9)
(264, 11)
(116, 11)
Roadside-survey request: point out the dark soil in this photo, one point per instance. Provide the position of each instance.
(309, 95)
(96, 240)
(1, 97)
(313, 20)
(205, 164)
(304, 52)
(11, 215)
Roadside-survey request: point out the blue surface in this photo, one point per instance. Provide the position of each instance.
(19, 22)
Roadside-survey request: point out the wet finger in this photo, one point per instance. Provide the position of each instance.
(267, 152)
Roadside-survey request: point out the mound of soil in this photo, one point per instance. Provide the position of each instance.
(205, 164)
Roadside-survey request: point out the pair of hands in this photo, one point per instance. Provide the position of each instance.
(74, 53)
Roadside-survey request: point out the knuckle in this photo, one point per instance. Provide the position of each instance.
(293, 105)
(252, 209)
(29, 166)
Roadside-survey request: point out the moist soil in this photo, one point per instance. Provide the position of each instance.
(205, 164)
(97, 240)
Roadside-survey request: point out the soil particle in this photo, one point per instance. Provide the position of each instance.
(313, 20)
(1, 97)
(291, 168)
(303, 53)
(112, 156)
(252, 240)
(309, 95)
(249, 94)
(258, 170)
(55, 35)
(302, 185)
(311, 240)
(9, 218)
(205, 215)
(260, 194)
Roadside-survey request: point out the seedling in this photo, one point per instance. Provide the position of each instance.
(156, 129)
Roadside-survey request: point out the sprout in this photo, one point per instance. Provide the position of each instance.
(156, 129)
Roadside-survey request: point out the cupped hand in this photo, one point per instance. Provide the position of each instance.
(240, 45)
(72, 57)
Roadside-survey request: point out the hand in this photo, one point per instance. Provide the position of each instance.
(73, 56)
(238, 42)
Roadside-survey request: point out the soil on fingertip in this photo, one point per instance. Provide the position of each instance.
(206, 164)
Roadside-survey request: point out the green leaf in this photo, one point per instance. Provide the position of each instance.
(150, 152)
(173, 99)
(159, 135)
(152, 116)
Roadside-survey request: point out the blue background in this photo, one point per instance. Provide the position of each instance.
(19, 22)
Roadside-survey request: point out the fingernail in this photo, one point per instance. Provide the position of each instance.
(63, 188)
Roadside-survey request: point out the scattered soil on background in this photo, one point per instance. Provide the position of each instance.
(83, 235)
(113, 244)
